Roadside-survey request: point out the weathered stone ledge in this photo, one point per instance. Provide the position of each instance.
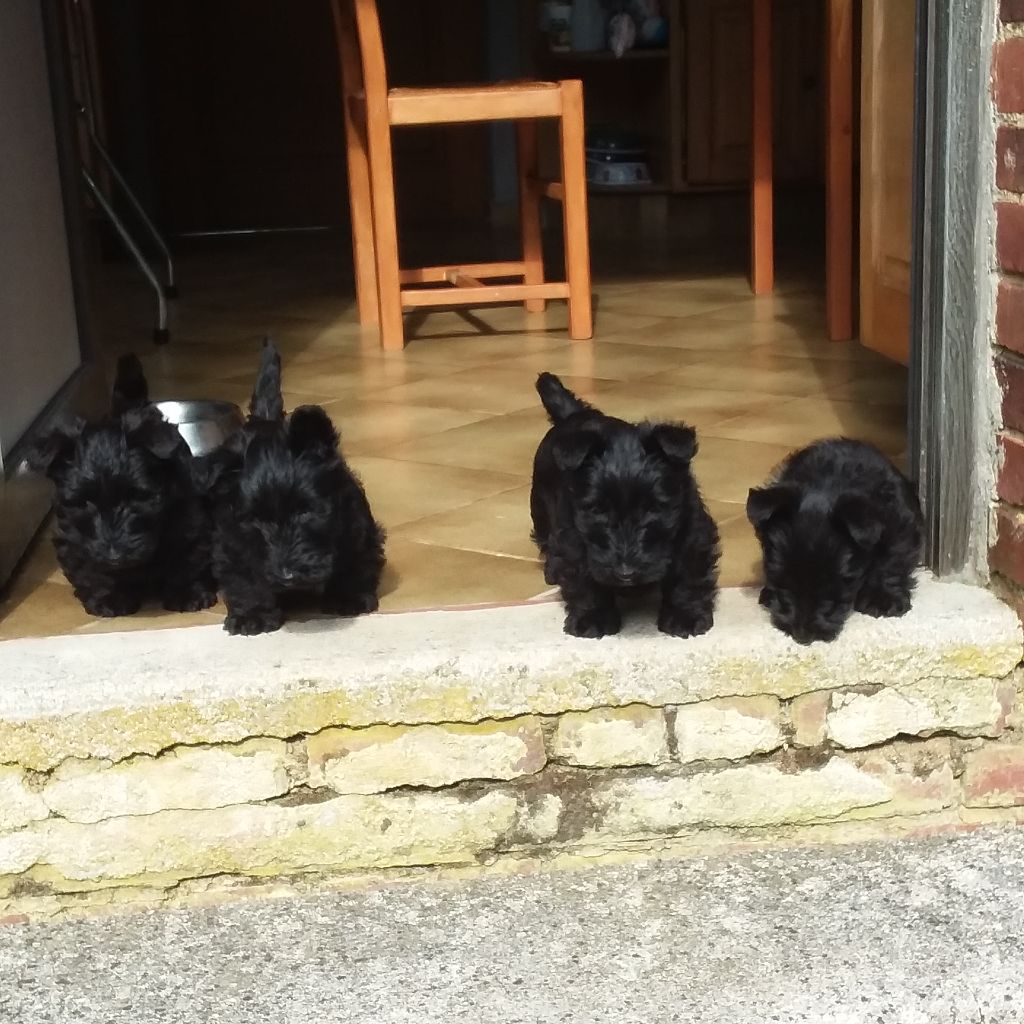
(112, 696)
(463, 739)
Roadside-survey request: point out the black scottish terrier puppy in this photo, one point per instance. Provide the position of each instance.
(841, 531)
(292, 521)
(616, 508)
(129, 522)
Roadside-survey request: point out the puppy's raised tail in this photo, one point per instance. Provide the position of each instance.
(267, 403)
(557, 399)
(130, 388)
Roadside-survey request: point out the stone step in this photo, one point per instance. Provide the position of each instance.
(162, 765)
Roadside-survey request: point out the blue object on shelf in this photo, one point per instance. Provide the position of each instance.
(588, 29)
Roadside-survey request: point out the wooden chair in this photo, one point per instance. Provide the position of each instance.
(371, 110)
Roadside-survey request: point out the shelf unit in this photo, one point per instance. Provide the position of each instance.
(643, 89)
(690, 100)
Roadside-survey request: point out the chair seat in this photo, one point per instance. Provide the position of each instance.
(459, 104)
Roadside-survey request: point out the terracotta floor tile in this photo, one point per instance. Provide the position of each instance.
(426, 325)
(723, 511)
(741, 554)
(764, 372)
(39, 565)
(155, 618)
(180, 389)
(345, 374)
(778, 308)
(727, 469)
(369, 426)
(817, 346)
(593, 359)
(487, 389)
(800, 421)
(887, 388)
(401, 492)
(686, 302)
(203, 363)
(499, 525)
(47, 609)
(427, 576)
(709, 334)
(702, 408)
(470, 348)
(505, 444)
(443, 433)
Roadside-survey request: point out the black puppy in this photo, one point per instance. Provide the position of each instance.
(292, 521)
(841, 530)
(129, 522)
(615, 507)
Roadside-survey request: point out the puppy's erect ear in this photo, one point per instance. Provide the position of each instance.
(767, 503)
(675, 441)
(266, 402)
(856, 515)
(311, 429)
(52, 453)
(148, 429)
(572, 452)
(130, 388)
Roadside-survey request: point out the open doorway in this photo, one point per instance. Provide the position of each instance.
(226, 120)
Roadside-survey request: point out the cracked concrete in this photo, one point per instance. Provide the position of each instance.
(923, 932)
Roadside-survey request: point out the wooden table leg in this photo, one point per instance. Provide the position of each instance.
(839, 172)
(762, 245)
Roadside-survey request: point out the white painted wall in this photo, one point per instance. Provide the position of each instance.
(39, 346)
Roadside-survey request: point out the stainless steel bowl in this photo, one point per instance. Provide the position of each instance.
(203, 425)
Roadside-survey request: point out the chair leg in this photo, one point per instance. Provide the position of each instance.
(574, 212)
(360, 204)
(385, 230)
(361, 207)
(762, 183)
(529, 210)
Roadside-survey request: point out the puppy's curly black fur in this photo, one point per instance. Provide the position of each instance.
(841, 531)
(129, 522)
(292, 521)
(616, 508)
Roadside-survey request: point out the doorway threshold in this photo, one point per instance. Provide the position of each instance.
(172, 765)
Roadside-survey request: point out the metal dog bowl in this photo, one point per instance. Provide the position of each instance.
(204, 425)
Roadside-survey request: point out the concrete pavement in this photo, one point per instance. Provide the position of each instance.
(921, 932)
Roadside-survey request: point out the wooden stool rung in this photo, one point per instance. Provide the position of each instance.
(482, 295)
(436, 275)
(461, 279)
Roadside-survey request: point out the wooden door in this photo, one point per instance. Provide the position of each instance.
(887, 129)
(718, 60)
(718, 67)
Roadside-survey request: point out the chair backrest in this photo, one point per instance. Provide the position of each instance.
(371, 50)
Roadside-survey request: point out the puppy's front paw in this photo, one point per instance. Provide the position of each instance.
(253, 623)
(883, 605)
(684, 622)
(111, 606)
(593, 622)
(350, 604)
(190, 599)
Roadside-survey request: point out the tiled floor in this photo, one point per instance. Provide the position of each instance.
(443, 434)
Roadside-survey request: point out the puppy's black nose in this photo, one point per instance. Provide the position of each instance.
(625, 575)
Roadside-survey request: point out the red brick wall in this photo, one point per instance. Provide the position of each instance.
(1007, 552)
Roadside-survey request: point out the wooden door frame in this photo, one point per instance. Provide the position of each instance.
(951, 397)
